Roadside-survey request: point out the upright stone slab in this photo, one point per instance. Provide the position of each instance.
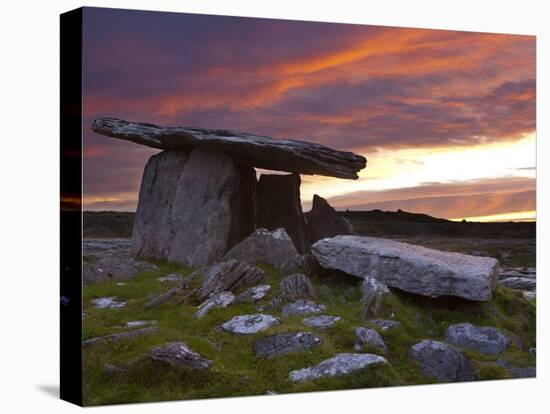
(279, 206)
(192, 209)
(323, 221)
(153, 222)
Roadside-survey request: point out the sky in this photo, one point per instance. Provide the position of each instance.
(446, 119)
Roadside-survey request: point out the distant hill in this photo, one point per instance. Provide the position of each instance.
(114, 224)
(403, 224)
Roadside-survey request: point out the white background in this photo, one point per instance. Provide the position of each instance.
(29, 235)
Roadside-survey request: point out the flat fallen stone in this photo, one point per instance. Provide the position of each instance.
(285, 343)
(442, 361)
(484, 339)
(250, 324)
(321, 321)
(341, 364)
(302, 307)
(253, 294)
(109, 302)
(121, 336)
(255, 150)
(384, 324)
(263, 246)
(172, 277)
(370, 338)
(409, 267)
(519, 283)
(179, 354)
(218, 300)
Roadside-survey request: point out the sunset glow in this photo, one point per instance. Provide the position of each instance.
(446, 119)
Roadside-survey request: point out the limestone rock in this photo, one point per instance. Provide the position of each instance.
(218, 300)
(274, 248)
(409, 267)
(192, 209)
(519, 283)
(296, 286)
(109, 302)
(323, 221)
(341, 364)
(372, 296)
(250, 324)
(529, 294)
(172, 277)
(384, 324)
(136, 324)
(302, 307)
(285, 343)
(279, 206)
(230, 275)
(321, 321)
(518, 372)
(486, 340)
(179, 354)
(253, 294)
(115, 266)
(255, 150)
(121, 336)
(442, 361)
(369, 337)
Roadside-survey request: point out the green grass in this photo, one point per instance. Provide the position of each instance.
(236, 371)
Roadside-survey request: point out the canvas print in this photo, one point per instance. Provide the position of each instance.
(276, 206)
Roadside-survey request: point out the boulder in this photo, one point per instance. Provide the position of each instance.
(302, 307)
(250, 324)
(254, 150)
(442, 361)
(409, 267)
(323, 221)
(341, 364)
(296, 286)
(285, 343)
(228, 276)
(486, 340)
(263, 246)
(253, 294)
(218, 300)
(192, 209)
(113, 266)
(279, 206)
(178, 354)
(321, 321)
(369, 338)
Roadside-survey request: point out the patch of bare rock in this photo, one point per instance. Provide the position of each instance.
(321, 321)
(285, 343)
(250, 324)
(341, 364)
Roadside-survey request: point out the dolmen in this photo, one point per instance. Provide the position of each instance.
(200, 195)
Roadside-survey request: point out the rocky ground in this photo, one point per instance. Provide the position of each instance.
(158, 331)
